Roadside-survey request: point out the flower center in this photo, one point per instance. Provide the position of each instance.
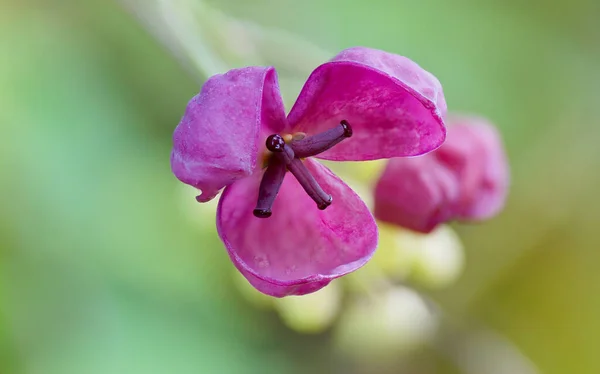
(287, 156)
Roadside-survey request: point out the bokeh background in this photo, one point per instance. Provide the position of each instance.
(107, 264)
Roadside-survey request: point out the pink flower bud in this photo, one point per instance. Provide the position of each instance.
(465, 179)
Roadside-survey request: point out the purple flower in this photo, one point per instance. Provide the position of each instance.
(465, 179)
(292, 233)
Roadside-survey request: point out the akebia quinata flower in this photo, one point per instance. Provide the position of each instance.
(465, 179)
(289, 224)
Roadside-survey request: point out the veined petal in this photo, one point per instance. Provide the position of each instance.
(415, 193)
(220, 135)
(299, 249)
(395, 107)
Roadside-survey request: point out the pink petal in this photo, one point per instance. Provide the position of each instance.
(466, 179)
(474, 151)
(395, 107)
(415, 193)
(299, 249)
(223, 129)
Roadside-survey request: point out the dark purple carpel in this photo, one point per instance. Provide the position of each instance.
(269, 187)
(309, 184)
(289, 156)
(313, 145)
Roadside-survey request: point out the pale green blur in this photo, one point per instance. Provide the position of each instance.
(108, 265)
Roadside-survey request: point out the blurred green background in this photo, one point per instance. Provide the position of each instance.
(107, 265)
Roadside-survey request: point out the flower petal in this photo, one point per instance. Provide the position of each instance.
(415, 193)
(299, 249)
(395, 107)
(221, 133)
